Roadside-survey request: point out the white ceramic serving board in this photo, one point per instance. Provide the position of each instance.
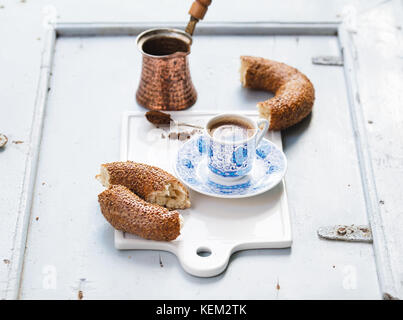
(219, 226)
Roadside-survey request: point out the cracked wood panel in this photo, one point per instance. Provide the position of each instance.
(20, 70)
(70, 246)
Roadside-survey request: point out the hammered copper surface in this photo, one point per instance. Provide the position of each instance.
(165, 82)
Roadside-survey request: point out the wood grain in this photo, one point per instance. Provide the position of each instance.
(317, 182)
(20, 72)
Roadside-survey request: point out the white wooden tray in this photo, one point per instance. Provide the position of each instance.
(216, 226)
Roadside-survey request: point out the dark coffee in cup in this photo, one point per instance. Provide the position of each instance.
(231, 129)
(231, 141)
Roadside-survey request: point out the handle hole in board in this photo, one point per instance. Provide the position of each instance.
(203, 252)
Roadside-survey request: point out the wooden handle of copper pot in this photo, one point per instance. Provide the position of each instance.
(199, 8)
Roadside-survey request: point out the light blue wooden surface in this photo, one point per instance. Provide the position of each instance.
(77, 246)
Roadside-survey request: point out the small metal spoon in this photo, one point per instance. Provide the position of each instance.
(161, 118)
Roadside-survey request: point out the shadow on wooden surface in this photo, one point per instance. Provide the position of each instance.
(291, 135)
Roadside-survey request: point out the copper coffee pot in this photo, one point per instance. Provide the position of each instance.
(165, 82)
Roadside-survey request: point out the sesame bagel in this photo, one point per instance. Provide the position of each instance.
(150, 183)
(294, 93)
(127, 212)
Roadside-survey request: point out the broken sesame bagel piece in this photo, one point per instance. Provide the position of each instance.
(294, 92)
(127, 212)
(150, 183)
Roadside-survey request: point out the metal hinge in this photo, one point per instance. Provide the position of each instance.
(346, 233)
(328, 60)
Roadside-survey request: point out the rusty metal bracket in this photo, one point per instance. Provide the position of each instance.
(351, 233)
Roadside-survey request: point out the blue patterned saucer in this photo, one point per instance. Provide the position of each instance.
(191, 168)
